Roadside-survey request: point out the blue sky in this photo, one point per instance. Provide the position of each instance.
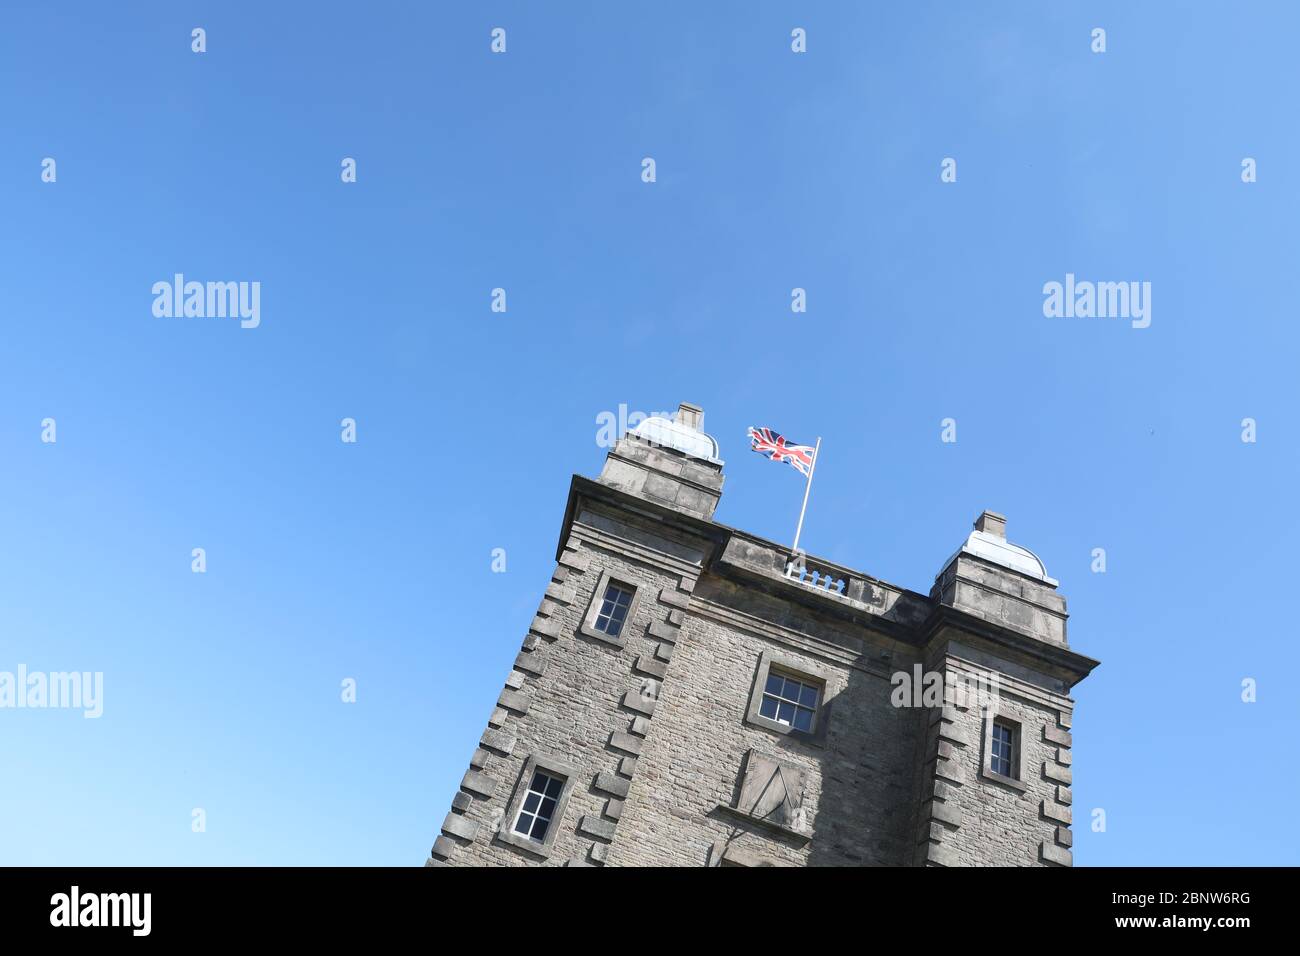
(522, 171)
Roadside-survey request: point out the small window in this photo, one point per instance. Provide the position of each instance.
(538, 808)
(611, 612)
(613, 609)
(788, 701)
(1003, 749)
(534, 815)
(792, 696)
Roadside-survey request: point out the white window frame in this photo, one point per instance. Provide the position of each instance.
(1016, 779)
(805, 672)
(542, 796)
(589, 628)
(552, 768)
(797, 704)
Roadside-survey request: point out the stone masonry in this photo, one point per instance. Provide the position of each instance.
(670, 755)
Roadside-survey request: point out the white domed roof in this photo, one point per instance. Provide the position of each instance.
(683, 438)
(1001, 551)
(993, 546)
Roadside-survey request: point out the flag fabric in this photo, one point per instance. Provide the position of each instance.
(776, 447)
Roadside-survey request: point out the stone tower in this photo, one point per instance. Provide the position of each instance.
(689, 694)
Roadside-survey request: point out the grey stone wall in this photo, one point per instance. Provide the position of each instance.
(969, 818)
(858, 777)
(575, 698)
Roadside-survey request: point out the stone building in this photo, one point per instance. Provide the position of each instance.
(690, 695)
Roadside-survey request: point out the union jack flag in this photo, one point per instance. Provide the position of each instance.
(776, 448)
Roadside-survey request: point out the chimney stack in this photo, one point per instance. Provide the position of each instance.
(990, 522)
(692, 416)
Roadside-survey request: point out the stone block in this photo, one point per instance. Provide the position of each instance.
(648, 665)
(478, 783)
(561, 594)
(633, 700)
(459, 826)
(663, 632)
(674, 598)
(530, 662)
(948, 813)
(1054, 811)
(1054, 735)
(948, 770)
(625, 742)
(1056, 854)
(941, 854)
(545, 626)
(612, 784)
(1056, 773)
(596, 827)
(515, 700)
(576, 561)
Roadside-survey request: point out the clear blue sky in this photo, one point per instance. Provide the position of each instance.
(372, 560)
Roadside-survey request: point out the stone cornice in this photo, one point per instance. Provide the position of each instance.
(867, 602)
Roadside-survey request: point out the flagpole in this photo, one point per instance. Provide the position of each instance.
(807, 488)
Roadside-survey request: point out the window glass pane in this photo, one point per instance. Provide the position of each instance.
(768, 708)
(791, 690)
(802, 719)
(548, 808)
(808, 696)
(774, 682)
(523, 823)
(540, 828)
(615, 597)
(539, 781)
(530, 803)
(554, 787)
(613, 627)
(786, 713)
